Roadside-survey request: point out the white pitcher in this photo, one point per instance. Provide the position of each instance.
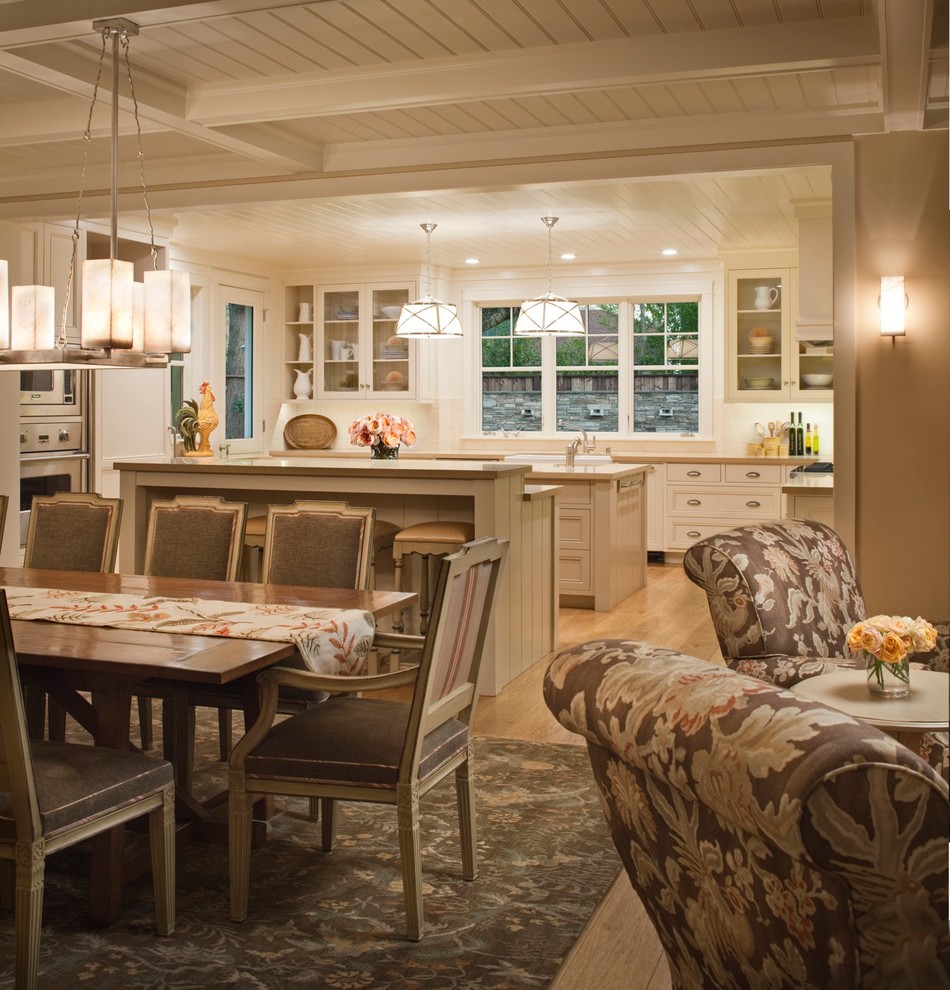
(305, 315)
(305, 353)
(766, 296)
(302, 383)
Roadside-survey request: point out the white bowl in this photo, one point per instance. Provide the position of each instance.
(390, 312)
(818, 381)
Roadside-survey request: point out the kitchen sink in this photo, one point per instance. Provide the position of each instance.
(579, 459)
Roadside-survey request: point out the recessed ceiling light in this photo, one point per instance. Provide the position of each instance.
(670, 252)
(568, 257)
(471, 261)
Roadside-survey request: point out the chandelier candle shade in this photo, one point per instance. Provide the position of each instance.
(123, 323)
(383, 434)
(428, 317)
(886, 641)
(549, 314)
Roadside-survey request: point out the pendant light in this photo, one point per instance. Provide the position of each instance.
(428, 317)
(549, 314)
(123, 324)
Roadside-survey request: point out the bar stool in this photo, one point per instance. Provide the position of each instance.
(428, 540)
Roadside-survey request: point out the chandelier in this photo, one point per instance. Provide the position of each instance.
(123, 323)
(549, 314)
(428, 317)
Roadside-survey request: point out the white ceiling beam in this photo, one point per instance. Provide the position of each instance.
(904, 28)
(567, 68)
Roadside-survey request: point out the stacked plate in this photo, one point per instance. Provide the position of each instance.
(759, 382)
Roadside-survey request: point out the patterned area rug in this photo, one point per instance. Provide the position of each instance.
(335, 919)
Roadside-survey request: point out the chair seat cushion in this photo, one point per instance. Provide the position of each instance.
(76, 783)
(341, 741)
(437, 532)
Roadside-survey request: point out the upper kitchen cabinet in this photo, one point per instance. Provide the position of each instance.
(770, 356)
(356, 347)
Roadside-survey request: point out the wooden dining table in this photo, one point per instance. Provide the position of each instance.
(66, 661)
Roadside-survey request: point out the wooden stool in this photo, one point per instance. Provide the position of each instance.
(428, 539)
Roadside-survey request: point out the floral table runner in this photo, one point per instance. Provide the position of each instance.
(330, 641)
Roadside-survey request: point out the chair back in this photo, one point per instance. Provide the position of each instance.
(764, 834)
(787, 588)
(73, 531)
(319, 544)
(16, 760)
(447, 678)
(195, 536)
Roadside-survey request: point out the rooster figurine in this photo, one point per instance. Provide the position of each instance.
(196, 423)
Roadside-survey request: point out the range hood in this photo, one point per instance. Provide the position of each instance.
(815, 319)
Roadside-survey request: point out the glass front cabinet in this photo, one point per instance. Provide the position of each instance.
(350, 331)
(766, 360)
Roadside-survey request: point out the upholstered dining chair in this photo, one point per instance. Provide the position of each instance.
(68, 531)
(773, 841)
(355, 748)
(318, 543)
(192, 536)
(73, 531)
(782, 596)
(326, 544)
(55, 794)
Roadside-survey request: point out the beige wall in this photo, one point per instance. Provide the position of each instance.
(903, 386)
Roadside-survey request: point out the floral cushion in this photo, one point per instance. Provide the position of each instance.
(773, 841)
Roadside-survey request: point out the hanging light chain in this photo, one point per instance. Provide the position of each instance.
(86, 141)
(124, 42)
(549, 222)
(428, 228)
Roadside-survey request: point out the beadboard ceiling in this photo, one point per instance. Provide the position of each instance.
(319, 135)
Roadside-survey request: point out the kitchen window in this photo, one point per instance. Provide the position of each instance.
(636, 370)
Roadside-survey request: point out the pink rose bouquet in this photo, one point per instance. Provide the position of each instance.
(382, 429)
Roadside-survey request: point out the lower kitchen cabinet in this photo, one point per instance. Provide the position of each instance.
(602, 541)
(706, 498)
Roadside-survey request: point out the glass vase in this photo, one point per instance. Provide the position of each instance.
(380, 452)
(888, 680)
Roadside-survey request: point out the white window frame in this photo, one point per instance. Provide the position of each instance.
(643, 288)
(255, 300)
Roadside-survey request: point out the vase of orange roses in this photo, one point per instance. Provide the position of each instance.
(383, 434)
(886, 641)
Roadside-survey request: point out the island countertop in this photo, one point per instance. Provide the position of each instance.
(491, 495)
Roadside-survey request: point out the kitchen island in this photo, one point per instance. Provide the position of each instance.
(492, 495)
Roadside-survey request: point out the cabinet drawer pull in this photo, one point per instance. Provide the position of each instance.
(693, 501)
(694, 474)
(753, 504)
(694, 533)
(753, 474)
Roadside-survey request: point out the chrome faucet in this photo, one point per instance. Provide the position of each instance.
(588, 446)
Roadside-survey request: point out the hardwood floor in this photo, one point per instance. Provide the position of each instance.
(619, 949)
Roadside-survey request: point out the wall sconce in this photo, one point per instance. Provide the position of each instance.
(893, 303)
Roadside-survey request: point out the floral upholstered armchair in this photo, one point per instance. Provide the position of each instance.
(773, 841)
(782, 596)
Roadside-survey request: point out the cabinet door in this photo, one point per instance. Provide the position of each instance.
(389, 366)
(339, 343)
(759, 361)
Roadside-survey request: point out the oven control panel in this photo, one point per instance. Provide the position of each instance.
(41, 438)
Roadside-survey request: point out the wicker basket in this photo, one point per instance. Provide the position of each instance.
(309, 432)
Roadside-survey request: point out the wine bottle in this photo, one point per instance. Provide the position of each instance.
(808, 439)
(800, 438)
(792, 445)
(814, 439)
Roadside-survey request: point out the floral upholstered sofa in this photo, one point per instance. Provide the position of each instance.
(774, 842)
(782, 597)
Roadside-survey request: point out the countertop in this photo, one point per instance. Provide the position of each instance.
(810, 484)
(540, 471)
